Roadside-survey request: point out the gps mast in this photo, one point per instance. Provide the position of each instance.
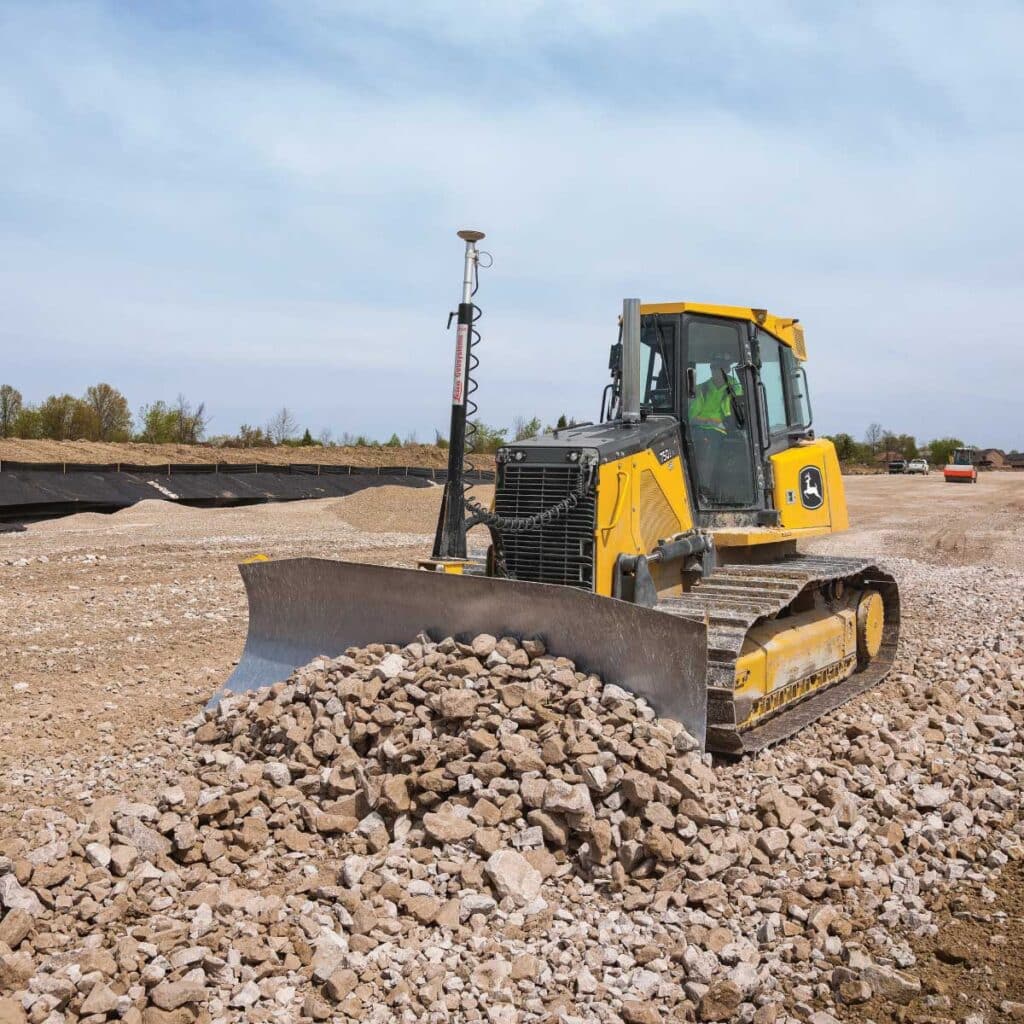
(449, 553)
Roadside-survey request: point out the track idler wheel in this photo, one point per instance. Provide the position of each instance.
(870, 623)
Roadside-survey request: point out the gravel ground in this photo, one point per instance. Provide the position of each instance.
(868, 869)
(111, 623)
(926, 519)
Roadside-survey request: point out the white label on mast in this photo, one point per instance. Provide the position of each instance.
(459, 386)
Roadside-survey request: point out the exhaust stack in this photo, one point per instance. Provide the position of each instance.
(631, 361)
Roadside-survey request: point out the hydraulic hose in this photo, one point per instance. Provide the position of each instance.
(519, 524)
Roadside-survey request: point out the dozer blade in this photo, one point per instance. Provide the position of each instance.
(304, 607)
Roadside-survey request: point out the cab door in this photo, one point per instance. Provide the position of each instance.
(716, 408)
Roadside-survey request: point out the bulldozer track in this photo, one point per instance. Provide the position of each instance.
(735, 598)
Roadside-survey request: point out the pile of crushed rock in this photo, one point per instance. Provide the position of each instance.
(492, 744)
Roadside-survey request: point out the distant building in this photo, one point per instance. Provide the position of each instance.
(1015, 460)
(992, 458)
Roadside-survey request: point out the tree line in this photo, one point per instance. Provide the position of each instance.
(878, 441)
(102, 413)
(480, 437)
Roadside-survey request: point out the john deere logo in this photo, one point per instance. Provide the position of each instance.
(812, 490)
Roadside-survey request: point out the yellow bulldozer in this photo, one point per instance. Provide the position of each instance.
(656, 547)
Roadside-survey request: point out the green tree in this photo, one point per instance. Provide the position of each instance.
(307, 438)
(905, 444)
(159, 423)
(252, 437)
(483, 438)
(29, 423)
(59, 416)
(190, 422)
(110, 418)
(523, 429)
(851, 452)
(941, 449)
(83, 422)
(440, 441)
(10, 409)
(181, 423)
(394, 441)
(846, 447)
(562, 422)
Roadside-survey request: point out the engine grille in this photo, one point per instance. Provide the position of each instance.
(559, 552)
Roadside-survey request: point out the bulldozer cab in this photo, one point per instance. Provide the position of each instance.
(739, 396)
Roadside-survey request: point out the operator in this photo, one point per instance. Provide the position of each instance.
(712, 418)
(711, 407)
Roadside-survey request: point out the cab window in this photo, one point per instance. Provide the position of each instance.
(797, 401)
(657, 345)
(772, 373)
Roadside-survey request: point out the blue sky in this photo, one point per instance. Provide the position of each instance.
(255, 203)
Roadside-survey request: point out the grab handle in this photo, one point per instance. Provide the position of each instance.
(622, 479)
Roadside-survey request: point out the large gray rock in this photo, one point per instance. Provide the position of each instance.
(891, 983)
(169, 995)
(564, 798)
(447, 828)
(513, 875)
(146, 840)
(15, 896)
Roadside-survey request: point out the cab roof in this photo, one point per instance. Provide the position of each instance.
(787, 329)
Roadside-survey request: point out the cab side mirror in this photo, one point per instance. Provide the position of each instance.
(615, 359)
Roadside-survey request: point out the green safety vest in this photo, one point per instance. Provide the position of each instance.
(713, 405)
